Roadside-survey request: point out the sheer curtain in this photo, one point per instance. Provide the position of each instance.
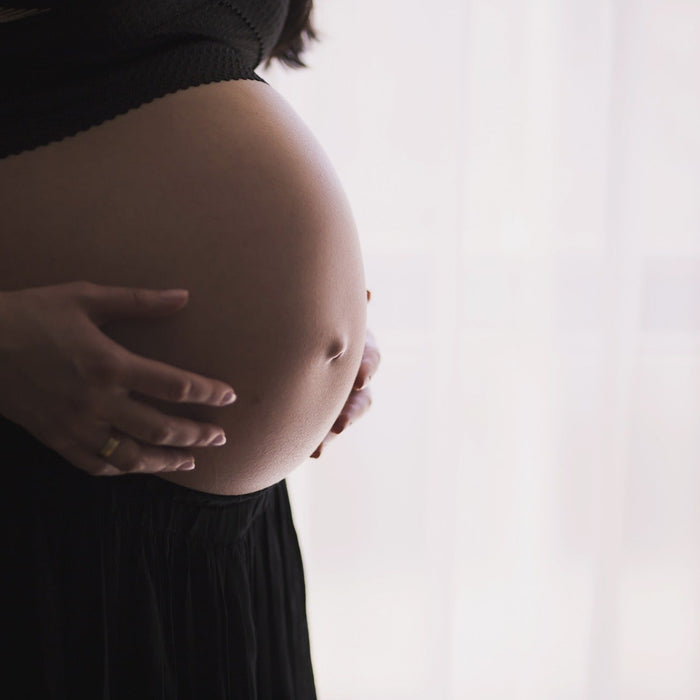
(518, 515)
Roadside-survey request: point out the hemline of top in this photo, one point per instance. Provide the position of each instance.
(56, 113)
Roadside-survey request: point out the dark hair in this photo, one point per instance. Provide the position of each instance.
(296, 34)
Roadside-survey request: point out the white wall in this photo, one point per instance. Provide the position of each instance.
(518, 514)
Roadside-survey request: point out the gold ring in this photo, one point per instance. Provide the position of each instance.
(111, 445)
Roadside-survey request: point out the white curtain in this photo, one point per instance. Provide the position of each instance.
(518, 515)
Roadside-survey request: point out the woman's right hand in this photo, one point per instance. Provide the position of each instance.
(68, 384)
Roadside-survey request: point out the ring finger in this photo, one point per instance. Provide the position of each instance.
(129, 455)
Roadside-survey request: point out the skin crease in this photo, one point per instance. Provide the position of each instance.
(220, 189)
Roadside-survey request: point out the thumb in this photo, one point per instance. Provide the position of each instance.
(103, 303)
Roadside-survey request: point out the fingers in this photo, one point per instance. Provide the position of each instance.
(102, 302)
(149, 425)
(132, 457)
(163, 381)
(357, 405)
(131, 422)
(97, 466)
(127, 458)
(360, 398)
(147, 376)
(84, 439)
(369, 364)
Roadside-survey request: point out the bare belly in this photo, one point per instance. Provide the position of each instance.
(220, 189)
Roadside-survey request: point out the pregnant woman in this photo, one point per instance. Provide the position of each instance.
(140, 151)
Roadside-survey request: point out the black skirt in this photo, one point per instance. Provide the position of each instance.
(134, 587)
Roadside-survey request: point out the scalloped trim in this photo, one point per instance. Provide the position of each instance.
(125, 111)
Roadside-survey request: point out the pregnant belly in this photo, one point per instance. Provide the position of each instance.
(220, 189)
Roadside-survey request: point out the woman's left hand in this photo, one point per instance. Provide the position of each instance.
(360, 399)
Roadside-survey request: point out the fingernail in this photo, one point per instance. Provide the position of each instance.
(317, 453)
(186, 466)
(173, 295)
(339, 426)
(218, 440)
(228, 397)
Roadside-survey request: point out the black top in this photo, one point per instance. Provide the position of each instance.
(67, 65)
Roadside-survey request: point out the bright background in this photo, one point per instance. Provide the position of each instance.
(518, 515)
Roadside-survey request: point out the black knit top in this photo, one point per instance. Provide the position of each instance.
(67, 65)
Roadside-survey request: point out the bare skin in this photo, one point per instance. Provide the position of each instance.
(68, 385)
(222, 190)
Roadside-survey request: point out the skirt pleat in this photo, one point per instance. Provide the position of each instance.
(134, 587)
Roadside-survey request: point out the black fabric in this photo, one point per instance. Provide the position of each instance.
(133, 587)
(82, 62)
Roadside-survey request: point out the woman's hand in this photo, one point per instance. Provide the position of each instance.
(68, 384)
(360, 398)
